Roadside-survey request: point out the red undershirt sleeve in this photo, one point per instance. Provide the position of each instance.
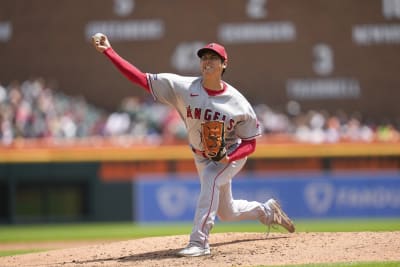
(244, 149)
(127, 69)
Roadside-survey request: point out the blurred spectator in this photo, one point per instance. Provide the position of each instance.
(33, 110)
(333, 130)
(3, 94)
(387, 133)
(117, 123)
(272, 121)
(173, 127)
(354, 131)
(322, 127)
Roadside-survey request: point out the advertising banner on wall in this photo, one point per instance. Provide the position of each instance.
(307, 196)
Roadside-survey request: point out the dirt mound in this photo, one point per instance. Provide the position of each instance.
(227, 249)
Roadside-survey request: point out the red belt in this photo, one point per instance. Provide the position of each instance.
(199, 152)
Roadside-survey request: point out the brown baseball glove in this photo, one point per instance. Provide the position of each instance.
(213, 138)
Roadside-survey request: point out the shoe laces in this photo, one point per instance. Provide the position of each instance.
(273, 226)
(275, 222)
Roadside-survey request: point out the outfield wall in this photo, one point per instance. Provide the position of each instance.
(304, 195)
(60, 192)
(64, 184)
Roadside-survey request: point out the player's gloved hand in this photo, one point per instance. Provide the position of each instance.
(213, 139)
(100, 42)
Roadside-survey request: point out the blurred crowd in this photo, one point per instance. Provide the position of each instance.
(322, 127)
(33, 110)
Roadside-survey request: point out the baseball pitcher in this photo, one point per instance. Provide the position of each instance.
(222, 128)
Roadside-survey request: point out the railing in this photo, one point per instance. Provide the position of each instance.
(110, 151)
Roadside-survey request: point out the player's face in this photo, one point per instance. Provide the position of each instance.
(211, 64)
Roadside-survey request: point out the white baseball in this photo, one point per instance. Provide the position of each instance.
(98, 36)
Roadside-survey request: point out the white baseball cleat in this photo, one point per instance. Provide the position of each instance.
(194, 251)
(277, 216)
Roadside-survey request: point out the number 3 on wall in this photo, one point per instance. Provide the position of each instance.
(323, 59)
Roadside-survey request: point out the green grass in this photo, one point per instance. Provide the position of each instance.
(356, 225)
(4, 253)
(86, 231)
(353, 264)
(128, 230)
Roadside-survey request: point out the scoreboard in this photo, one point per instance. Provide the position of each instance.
(323, 54)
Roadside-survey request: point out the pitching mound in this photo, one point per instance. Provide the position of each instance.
(228, 249)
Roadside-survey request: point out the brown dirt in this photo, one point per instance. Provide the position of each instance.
(227, 249)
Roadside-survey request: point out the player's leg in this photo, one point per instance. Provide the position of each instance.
(205, 209)
(230, 209)
(208, 201)
(210, 174)
(268, 213)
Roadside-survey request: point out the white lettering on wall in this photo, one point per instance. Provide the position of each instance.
(130, 30)
(123, 8)
(321, 197)
(323, 59)
(256, 9)
(334, 88)
(391, 9)
(5, 31)
(184, 58)
(376, 34)
(230, 33)
(376, 197)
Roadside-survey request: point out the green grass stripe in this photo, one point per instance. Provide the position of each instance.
(4, 253)
(129, 230)
(348, 225)
(90, 231)
(351, 264)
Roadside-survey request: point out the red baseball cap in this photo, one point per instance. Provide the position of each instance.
(217, 48)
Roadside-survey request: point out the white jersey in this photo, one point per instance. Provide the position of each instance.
(195, 106)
